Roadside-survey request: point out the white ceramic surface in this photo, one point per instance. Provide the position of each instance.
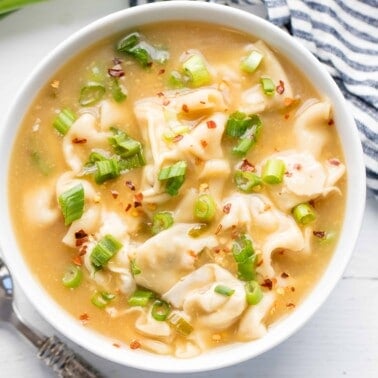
(355, 197)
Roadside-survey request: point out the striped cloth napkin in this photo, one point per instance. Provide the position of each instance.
(343, 35)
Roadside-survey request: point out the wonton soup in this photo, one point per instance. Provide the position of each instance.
(178, 187)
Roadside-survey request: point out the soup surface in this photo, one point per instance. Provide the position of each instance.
(178, 187)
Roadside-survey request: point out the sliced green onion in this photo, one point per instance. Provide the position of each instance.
(245, 257)
(224, 290)
(174, 175)
(267, 85)
(64, 120)
(123, 144)
(132, 162)
(237, 124)
(72, 277)
(176, 80)
(250, 63)
(140, 298)
(91, 93)
(71, 203)
(253, 292)
(304, 213)
(104, 250)
(160, 310)
(205, 207)
(246, 181)
(102, 299)
(273, 171)
(161, 221)
(180, 324)
(106, 170)
(128, 42)
(135, 270)
(197, 71)
(117, 92)
(197, 230)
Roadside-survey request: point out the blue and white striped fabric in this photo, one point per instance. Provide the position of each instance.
(343, 35)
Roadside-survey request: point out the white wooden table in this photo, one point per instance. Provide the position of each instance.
(341, 340)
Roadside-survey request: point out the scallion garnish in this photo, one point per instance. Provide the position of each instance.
(273, 171)
(135, 270)
(64, 120)
(245, 127)
(253, 292)
(143, 52)
(195, 68)
(102, 299)
(174, 177)
(180, 324)
(224, 290)
(245, 257)
(161, 221)
(71, 203)
(91, 93)
(117, 92)
(205, 207)
(104, 250)
(250, 63)
(176, 80)
(304, 213)
(140, 298)
(72, 277)
(267, 85)
(246, 181)
(106, 169)
(198, 230)
(160, 310)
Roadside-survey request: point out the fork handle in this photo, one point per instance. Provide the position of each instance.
(64, 361)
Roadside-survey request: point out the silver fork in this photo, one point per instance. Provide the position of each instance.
(51, 350)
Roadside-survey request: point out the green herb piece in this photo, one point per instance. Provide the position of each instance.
(72, 277)
(64, 120)
(304, 213)
(91, 93)
(273, 171)
(161, 221)
(174, 177)
(250, 63)
(245, 257)
(135, 270)
(246, 181)
(267, 85)
(195, 68)
(253, 292)
(102, 299)
(140, 298)
(71, 203)
(205, 207)
(224, 290)
(104, 250)
(106, 170)
(180, 324)
(117, 92)
(197, 230)
(160, 310)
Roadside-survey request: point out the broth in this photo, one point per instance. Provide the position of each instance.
(291, 125)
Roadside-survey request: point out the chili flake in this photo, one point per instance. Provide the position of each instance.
(211, 124)
(247, 166)
(79, 140)
(128, 207)
(116, 72)
(161, 71)
(319, 234)
(331, 122)
(204, 144)
(185, 108)
(77, 260)
(139, 197)
(135, 344)
(280, 88)
(130, 185)
(335, 162)
(114, 193)
(116, 345)
(177, 138)
(290, 305)
(267, 283)
(227, 208)
(84, 317)
(219, 229)
(284, 275)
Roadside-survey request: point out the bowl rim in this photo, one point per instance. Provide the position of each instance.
(355, 201)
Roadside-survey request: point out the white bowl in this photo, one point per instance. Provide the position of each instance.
(228, 17)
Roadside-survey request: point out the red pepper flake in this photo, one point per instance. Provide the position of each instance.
(116, 345)
(81, 241)
(211, 124)
(287, 115)
(117, 61)
(137, 204)
(267, 283)
(227, 208)
(83, 250)
(216, 249)
(280, 88)
(312, 203)
(335, 162)
(128, 207)
(77, 260)
(130, 185)
(288, 101)
(79, 140)
(116, 72)
(219, 229)
(84, 317)
(260, 263)
(160, 94)
(161, 71)
(290, 305)
(319, 234)
(114, 193)
(297, 166)
(192, 254)
(177, 138)
(185, 108)
(247, 166)
(166, 102)
(139, 197)
(203, 102)
(292, 289)
(204, 144)
(80, 234)
(288, 174)
(284, 275)
(135, 344)
(331, 122)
